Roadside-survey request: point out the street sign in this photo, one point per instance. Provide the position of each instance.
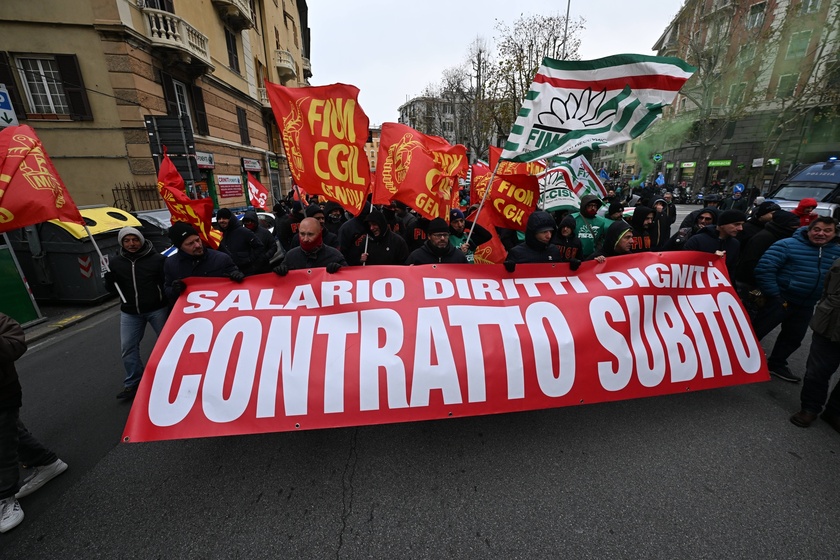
(7, 113)
(657, 157)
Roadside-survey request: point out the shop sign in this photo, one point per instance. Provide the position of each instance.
(669, 166)
(687, 164)
(720, 163)
(251, 164)
(230, 186)
(205, 160)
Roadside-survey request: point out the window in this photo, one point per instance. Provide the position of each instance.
(51, 84)
(242, 118)
(798, 44)
(165, 5)
(809, 6)
(787, 85)
(746, 55)
(736, 93)
(276, 38)
(233, 53)
(756, 15)
(183, 99)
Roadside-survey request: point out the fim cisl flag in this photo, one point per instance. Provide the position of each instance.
(577, 105)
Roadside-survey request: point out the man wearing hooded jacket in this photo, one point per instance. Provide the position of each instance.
(241, 244)
(537, 247)
(251, 222)
(137, 270)
(383, 245)
(590, 227)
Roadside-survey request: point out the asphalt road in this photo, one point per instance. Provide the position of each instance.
(712, 474)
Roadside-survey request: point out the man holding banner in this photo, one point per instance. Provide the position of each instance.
(193, 259)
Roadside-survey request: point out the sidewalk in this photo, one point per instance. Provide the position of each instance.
(60, 316)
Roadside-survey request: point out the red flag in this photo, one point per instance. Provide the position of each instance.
(257, 193)
(418, 170)
(511, 200)
(493, 251)
(198, 213)
(479, 179)
(324, 133)
(515, 168)
(30, 189)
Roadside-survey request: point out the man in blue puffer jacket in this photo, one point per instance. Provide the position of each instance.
(790, 276)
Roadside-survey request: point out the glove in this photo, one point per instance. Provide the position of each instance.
(237, 276)
(510, 266)
(178, 286)
(333, 267)
(574, 264)
(281, 269)
(110, 277)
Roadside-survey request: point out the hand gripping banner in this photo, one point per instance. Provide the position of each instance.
(314, 350)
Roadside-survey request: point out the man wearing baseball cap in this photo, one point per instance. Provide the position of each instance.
(460, 229)
(193, 259)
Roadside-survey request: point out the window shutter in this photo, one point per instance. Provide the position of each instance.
(242, 117)
(201, 125)
(169, 94)
(7, 77)
(74, 87)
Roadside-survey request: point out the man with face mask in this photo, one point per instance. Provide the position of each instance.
(437, 249)
(251, 222)
(311, 253)
(590, 227)
(333, 217)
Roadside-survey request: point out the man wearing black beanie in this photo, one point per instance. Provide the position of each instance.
(193, 259)
(720, 239)
(437, 249)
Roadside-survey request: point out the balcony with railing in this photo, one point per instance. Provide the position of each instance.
(307, 68)
(236, 13)
(285, 63)
(263, 93)
(168, 31)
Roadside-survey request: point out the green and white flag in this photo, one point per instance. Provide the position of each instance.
(576, 105)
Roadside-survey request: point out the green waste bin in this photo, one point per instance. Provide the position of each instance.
(59, 259)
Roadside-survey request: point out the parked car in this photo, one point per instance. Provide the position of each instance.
(820, 181)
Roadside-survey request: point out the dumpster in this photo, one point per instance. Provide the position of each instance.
(60, 260)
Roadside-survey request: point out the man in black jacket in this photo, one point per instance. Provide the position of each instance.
(193, 259)
(383, 246)
(251, 222)
(241, 244)
(537, 247)
(137, 271)
(311, 253)
(437, 249)
(720, 239)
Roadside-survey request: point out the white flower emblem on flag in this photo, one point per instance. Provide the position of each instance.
(576, 106)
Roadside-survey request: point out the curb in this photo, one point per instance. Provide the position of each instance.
(45, 329)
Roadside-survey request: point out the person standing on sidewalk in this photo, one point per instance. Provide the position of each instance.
(823, 358)
(17, 445)
(138, 272)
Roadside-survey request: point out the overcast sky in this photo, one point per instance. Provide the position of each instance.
(392, 49)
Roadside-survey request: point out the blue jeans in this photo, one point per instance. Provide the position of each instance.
(823, 361)
(132, 329)
(17, 446)
(794, 320)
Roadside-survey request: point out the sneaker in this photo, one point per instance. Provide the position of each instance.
(41, 476)
(10, 514)
(783, 372)
(803, 418)
(127, 393)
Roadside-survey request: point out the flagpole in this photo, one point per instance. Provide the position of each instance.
(483, 198)
(104, 263)
(566, 32)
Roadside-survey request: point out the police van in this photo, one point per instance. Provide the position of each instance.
(820, 181)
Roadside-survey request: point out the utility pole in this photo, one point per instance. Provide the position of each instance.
(566, 32)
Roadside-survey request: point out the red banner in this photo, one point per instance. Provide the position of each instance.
(257, 193)
(30, 189)
(314, 350)
(418, 170)
(196, 212)
(324, 133)
(511, 200)
(492, 252)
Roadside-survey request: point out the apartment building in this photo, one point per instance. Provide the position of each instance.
(107, 83)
